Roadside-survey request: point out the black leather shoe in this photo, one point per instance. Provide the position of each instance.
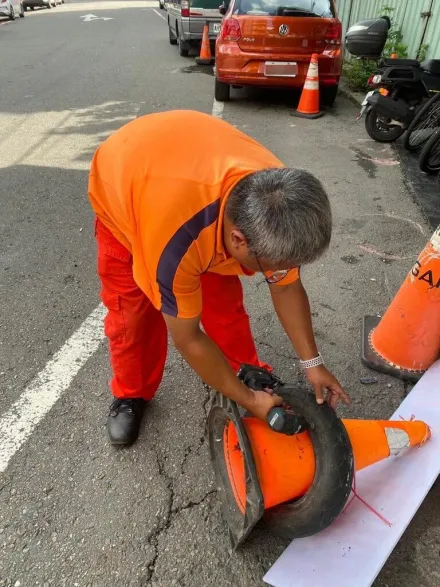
(124, 420)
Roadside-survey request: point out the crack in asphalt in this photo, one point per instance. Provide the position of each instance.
(171, 514)
(194, 449)
(191, 504)
(171, 511)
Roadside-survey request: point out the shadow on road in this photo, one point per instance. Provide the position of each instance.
(48, 281)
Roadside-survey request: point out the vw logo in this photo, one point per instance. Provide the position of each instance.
(283, 30)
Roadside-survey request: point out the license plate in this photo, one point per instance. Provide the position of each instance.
(214, 27)
(280, 69)
(365, 102)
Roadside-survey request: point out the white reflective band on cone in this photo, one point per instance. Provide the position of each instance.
(397, 439)
(311, 85)
(435, 239)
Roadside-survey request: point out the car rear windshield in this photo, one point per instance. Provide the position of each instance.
(322, 8)
(206, 4)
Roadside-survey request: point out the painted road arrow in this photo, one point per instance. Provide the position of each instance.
(89, 17)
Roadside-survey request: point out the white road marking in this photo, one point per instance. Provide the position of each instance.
(217, 109)
(90, 17)
(159, 14)
(18, 423)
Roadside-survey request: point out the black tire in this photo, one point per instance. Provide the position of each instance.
(334, 471)
(182, 46)
(378, 130)
(12, 14)
(222, 91)
(429, 160)
(172, 36)
(49, 6)
(328, 95)
(161, 6)
(426, 119)
(21, 14)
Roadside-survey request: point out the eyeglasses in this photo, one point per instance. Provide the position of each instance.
(271, 277)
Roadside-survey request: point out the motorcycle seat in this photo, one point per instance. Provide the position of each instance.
(431, 66)
(402, 62)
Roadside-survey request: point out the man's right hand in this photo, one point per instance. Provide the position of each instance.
(261, 403)
(210, 364)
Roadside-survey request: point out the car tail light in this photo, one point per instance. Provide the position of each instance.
(230, 30)
(184, 8)
(333, 35)
(374, 80)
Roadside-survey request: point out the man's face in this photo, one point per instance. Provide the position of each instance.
(236, 244)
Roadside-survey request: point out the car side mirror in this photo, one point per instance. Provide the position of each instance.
(222, 9)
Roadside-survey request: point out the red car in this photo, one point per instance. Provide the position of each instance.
(270, 43)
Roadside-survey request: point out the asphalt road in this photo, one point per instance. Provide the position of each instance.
(74, 511)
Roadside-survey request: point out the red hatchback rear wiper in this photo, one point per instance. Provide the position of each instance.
(292, 11)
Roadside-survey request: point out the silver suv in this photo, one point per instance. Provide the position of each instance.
(186, 19)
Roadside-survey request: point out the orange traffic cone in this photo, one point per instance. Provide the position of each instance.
(308, 106)
(406, 341)
(286, 464)
(298, 484)
(205, 57)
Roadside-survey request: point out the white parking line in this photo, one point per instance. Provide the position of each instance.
(18, 423)
(217, 109)
(158, 14)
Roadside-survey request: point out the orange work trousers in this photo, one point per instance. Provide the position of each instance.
(136, 330)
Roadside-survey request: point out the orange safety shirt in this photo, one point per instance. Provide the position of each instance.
(165, 202)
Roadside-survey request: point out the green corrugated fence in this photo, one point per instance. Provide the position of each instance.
(419, 20)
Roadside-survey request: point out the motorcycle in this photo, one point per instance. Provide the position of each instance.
(400, 86)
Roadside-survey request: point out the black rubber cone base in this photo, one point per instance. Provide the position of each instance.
(334, 465)
(222, 413)
(312, 116)
(373, 360)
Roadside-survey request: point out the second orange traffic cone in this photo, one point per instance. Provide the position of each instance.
(205, 57)
(406, 340)
(308, 106)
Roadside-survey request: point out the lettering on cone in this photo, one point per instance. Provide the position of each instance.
(427, 276)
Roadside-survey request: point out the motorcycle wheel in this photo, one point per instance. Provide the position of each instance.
(424, 124)
(379, 131)
(429, 161)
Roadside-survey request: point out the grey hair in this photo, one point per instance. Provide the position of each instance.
(284, 214)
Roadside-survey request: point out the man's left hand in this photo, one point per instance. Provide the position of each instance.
(327, 387)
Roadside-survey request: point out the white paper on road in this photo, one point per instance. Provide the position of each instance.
(353, 550)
